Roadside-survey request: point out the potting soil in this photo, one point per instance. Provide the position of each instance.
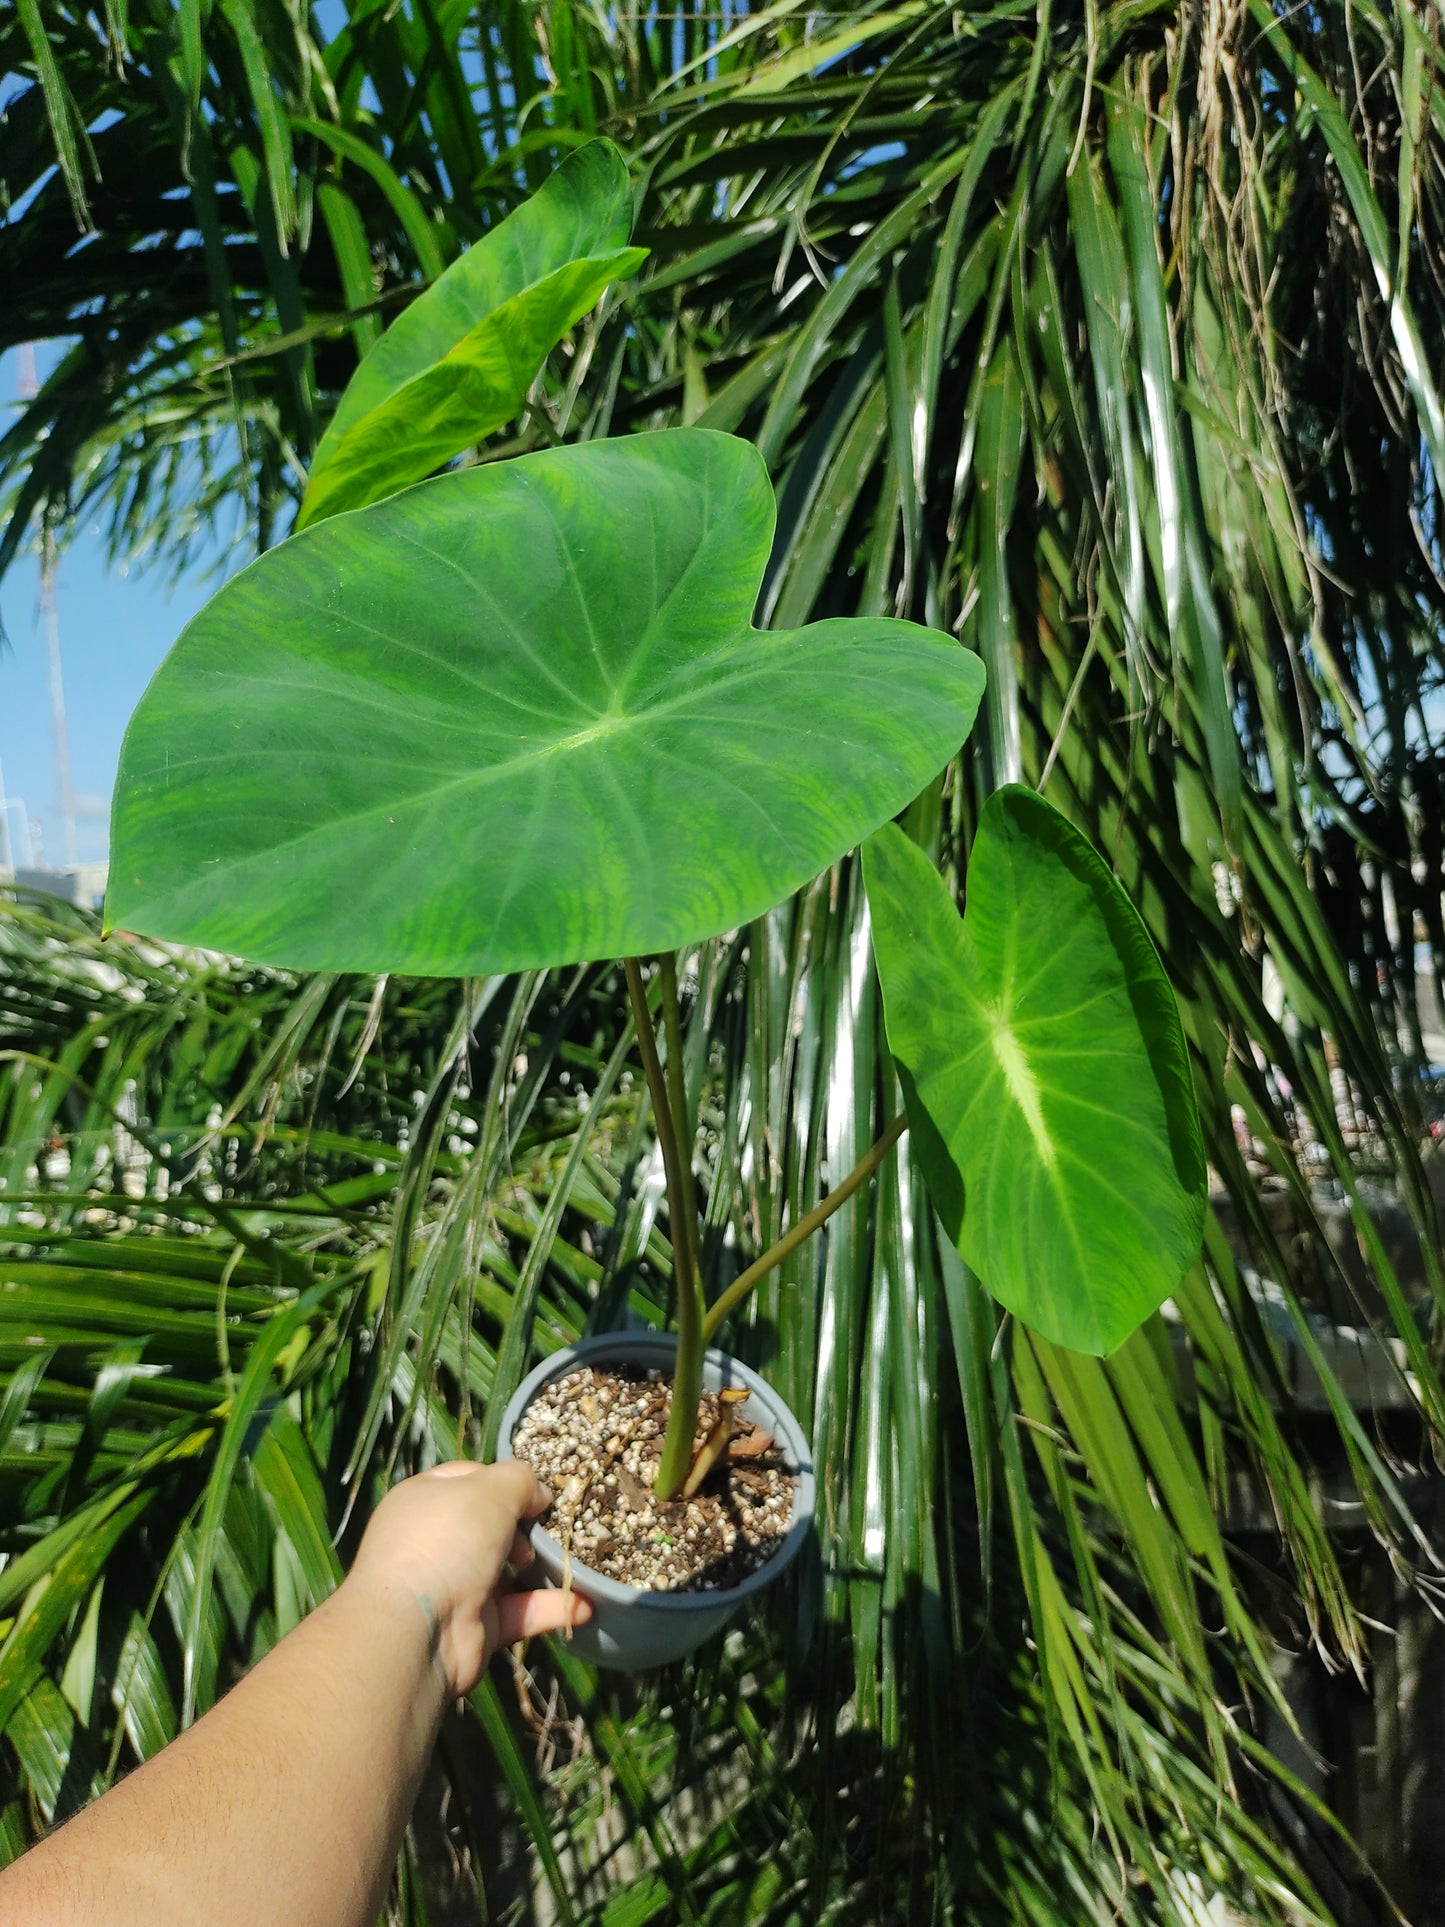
(595, 1439)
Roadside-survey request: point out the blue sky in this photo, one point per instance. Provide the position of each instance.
(114, 629)
(115, 626)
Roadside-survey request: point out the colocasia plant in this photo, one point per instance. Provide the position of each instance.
(517, 716)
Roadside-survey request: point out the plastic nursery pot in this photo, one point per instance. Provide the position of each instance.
(629, 1628)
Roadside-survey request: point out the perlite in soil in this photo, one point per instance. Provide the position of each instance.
(595, 1437)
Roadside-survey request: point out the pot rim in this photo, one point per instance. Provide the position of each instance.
(647, 1347)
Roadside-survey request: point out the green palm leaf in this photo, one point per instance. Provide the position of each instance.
(1229, 689)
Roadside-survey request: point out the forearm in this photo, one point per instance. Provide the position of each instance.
(285, 1804)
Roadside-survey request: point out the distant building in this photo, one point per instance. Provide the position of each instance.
(81, 883)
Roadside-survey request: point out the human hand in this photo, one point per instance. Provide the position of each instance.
(445, 1537)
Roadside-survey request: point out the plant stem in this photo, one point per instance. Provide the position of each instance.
(677, 1091)
(687, 1371)
(803, 1229)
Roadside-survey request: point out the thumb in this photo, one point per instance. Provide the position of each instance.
(522, 1615)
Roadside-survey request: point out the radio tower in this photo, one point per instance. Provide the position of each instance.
(50, 627)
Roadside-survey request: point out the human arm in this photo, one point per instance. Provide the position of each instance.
(286, 1803)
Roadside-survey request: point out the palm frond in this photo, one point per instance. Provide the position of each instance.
(1104, 339)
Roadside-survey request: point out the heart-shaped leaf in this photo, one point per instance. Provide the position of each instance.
(517, 716)
(1045, 1071)
(458, 363)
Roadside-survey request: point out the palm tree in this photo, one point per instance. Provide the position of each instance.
(1103, 337)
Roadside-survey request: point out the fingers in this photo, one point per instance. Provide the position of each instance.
(540, 1496)
(511, 1481)
(521, 1553)
(522, 1615)
(520, 1488)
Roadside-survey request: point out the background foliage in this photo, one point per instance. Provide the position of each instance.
(1102, 335)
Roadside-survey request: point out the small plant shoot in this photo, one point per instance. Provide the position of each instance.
(517, 715)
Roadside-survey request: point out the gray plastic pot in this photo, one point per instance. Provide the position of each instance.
(631, 1629)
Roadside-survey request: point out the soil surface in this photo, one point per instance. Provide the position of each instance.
(595, 1437)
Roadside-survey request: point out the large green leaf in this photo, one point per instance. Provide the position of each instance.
(1045, 1070)
(458, 363)
(517, 716)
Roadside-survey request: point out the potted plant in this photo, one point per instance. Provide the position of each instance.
(516, 716)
